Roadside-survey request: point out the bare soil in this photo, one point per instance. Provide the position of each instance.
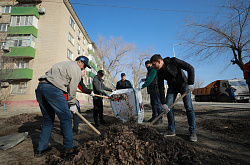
(223, 138)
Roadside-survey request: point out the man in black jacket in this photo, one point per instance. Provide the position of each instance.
(123, 83)
(171, 69)
(99, 87)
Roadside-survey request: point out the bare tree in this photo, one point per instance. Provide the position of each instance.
(114, 53)
(138, 64)
(6, 69)
(224, 35)
(198, 82)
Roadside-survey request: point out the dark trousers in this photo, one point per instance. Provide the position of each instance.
(155, 104)
(98, 109)
(76, 118)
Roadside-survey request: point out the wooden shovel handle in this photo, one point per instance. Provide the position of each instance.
(169, 108)
(106, 97)
(90, 125)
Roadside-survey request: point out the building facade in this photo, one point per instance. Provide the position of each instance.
(34, 35)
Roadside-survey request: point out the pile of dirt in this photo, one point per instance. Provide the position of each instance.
(126, 144)
(22, 118)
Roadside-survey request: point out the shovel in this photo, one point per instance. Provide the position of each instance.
(169, 108)
(106, 97)
(90, 125)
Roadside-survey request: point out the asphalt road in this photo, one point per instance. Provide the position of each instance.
(219, 104)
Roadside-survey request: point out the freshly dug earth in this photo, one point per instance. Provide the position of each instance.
(223, 138)
(22, 118)
(123, 144)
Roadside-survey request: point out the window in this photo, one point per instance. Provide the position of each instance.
(24, 21)
(71, 39)
(70, 54)
(78, 47)
(79, 34)
(5, 9)
(22, 41)
(19, 88)
(4, 27)
(83, 40)
(21, 64)
(72, 23)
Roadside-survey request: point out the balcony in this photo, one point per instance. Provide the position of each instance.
(22, 52)
(17, 74)
(22, 30)
(29, 1)
(25, 11)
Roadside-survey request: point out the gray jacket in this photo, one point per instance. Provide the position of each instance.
(66, 76)
(98, 86)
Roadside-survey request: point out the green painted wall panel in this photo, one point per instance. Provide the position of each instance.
(15, 74)
(25, 11)
(90, 86)
(96, 58)
(90, 74)
(22, 30)
(27, 52)
(93, 65)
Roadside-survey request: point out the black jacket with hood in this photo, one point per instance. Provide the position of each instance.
(174, 75)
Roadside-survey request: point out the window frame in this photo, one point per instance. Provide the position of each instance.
(72, 23)
(3, 9)
(70, 55)
(71, 39)
(7, 25)
(22, 87)
(22, 41)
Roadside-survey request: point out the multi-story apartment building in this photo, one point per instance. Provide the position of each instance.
(34, 35)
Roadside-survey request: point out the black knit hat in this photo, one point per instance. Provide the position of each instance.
(101, 72)
(123, 74)
(147, 62)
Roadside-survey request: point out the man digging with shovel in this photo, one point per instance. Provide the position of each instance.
(170, 69)
(62, 78)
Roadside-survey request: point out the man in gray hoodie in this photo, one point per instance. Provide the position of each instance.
(62, 78)
(99, 87)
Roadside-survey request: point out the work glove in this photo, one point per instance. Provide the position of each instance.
(190, 88)
(73, 108)
(165, 108)
(92, 94)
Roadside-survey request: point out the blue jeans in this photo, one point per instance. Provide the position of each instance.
(156, 104)
(76, 118)
(52, 101)
(171, 96)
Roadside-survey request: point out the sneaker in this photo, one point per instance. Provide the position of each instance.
(39, 154)
(193, 137)
(170, 133)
